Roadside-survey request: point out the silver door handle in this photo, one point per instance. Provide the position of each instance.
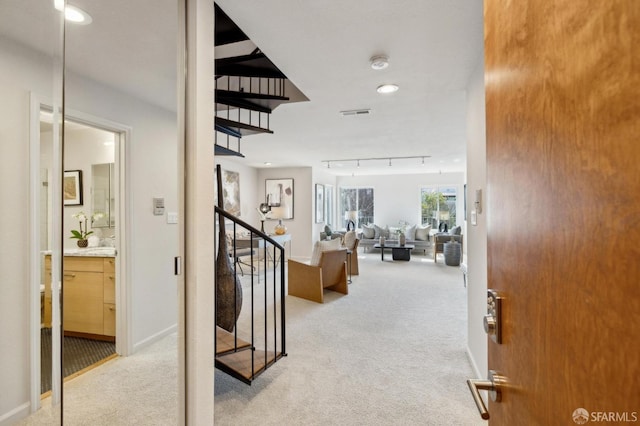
(493, 385)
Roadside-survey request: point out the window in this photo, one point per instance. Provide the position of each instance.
(356, 204)
(439, 206)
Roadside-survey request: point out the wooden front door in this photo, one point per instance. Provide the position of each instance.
(563, 208)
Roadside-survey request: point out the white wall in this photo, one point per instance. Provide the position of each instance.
(152, 172)
(476, 240)
(397, 197)
(19, 73)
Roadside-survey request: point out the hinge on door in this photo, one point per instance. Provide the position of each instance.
(177, 265)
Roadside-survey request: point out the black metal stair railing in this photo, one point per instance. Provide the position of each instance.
(243, 105)
(258, 339)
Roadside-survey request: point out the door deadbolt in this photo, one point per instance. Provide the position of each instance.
(493, 319)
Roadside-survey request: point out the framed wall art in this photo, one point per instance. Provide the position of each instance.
(319, 203)
(72, 187)
(279, 195)
(230, 191)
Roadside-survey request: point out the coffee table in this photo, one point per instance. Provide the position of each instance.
(398, 252)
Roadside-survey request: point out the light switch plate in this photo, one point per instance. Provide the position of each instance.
(172, 217)
(158, 206)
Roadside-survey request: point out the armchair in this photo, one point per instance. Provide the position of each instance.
(309, 281)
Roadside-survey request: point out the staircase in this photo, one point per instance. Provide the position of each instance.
(248, 88)
(257, 339)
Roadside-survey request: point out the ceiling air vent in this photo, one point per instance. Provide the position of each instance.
(355, 112)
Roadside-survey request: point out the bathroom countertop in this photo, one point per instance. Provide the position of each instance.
(88, 252)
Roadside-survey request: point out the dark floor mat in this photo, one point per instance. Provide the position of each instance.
(79, 353)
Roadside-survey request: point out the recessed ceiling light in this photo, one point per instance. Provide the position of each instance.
(267, 163)
(379, 62)
(387, 88)
(72, 13)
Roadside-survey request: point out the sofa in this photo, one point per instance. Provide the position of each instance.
(416, 235)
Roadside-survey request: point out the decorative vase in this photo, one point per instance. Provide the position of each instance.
(382, 240)
(280, 229)
(228, 287)
(83, 243)
(402, 239)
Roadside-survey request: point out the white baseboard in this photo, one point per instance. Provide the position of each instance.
(474, 365)
(14, 415)
(154, 338)
(478, 374)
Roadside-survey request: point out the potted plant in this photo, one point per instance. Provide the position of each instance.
(82, 234)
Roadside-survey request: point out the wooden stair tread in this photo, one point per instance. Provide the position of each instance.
(238, 364)
(225, 342)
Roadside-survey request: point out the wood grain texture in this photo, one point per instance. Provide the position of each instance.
(563, 105)
(109, 319)
(83, 306)
(309, 282)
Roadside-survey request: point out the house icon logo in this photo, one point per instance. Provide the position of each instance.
(580, 416)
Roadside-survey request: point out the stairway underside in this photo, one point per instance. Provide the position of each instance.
(238, 129)
(238, 364)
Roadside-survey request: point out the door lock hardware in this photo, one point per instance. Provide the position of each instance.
(493, 319)
(494, 385)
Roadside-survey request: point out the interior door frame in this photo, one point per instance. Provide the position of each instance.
(124, 334)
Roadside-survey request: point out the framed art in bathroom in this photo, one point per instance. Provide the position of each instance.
(72, 187)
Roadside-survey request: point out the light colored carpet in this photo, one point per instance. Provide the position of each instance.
(137, 390)
(392, 352)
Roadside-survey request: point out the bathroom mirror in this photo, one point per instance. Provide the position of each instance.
(103, 195)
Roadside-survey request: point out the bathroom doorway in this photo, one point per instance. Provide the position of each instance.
(92, 242)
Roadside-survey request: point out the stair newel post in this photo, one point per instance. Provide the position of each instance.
(282, 302)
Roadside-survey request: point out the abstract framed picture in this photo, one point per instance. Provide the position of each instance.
(279, 195)
(72, 187)
(231, 190)
(319, 203)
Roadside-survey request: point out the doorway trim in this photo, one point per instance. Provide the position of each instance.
(124, 334)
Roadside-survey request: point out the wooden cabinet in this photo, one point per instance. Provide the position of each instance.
(89, 295)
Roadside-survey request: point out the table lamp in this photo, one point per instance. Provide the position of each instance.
(279, 213)
(264, 209)
(351, 216)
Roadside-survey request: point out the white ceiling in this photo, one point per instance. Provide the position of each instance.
(324, 47)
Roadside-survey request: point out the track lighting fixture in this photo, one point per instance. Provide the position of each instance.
(357, 161)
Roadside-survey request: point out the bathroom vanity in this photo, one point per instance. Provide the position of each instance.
(88, 281)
